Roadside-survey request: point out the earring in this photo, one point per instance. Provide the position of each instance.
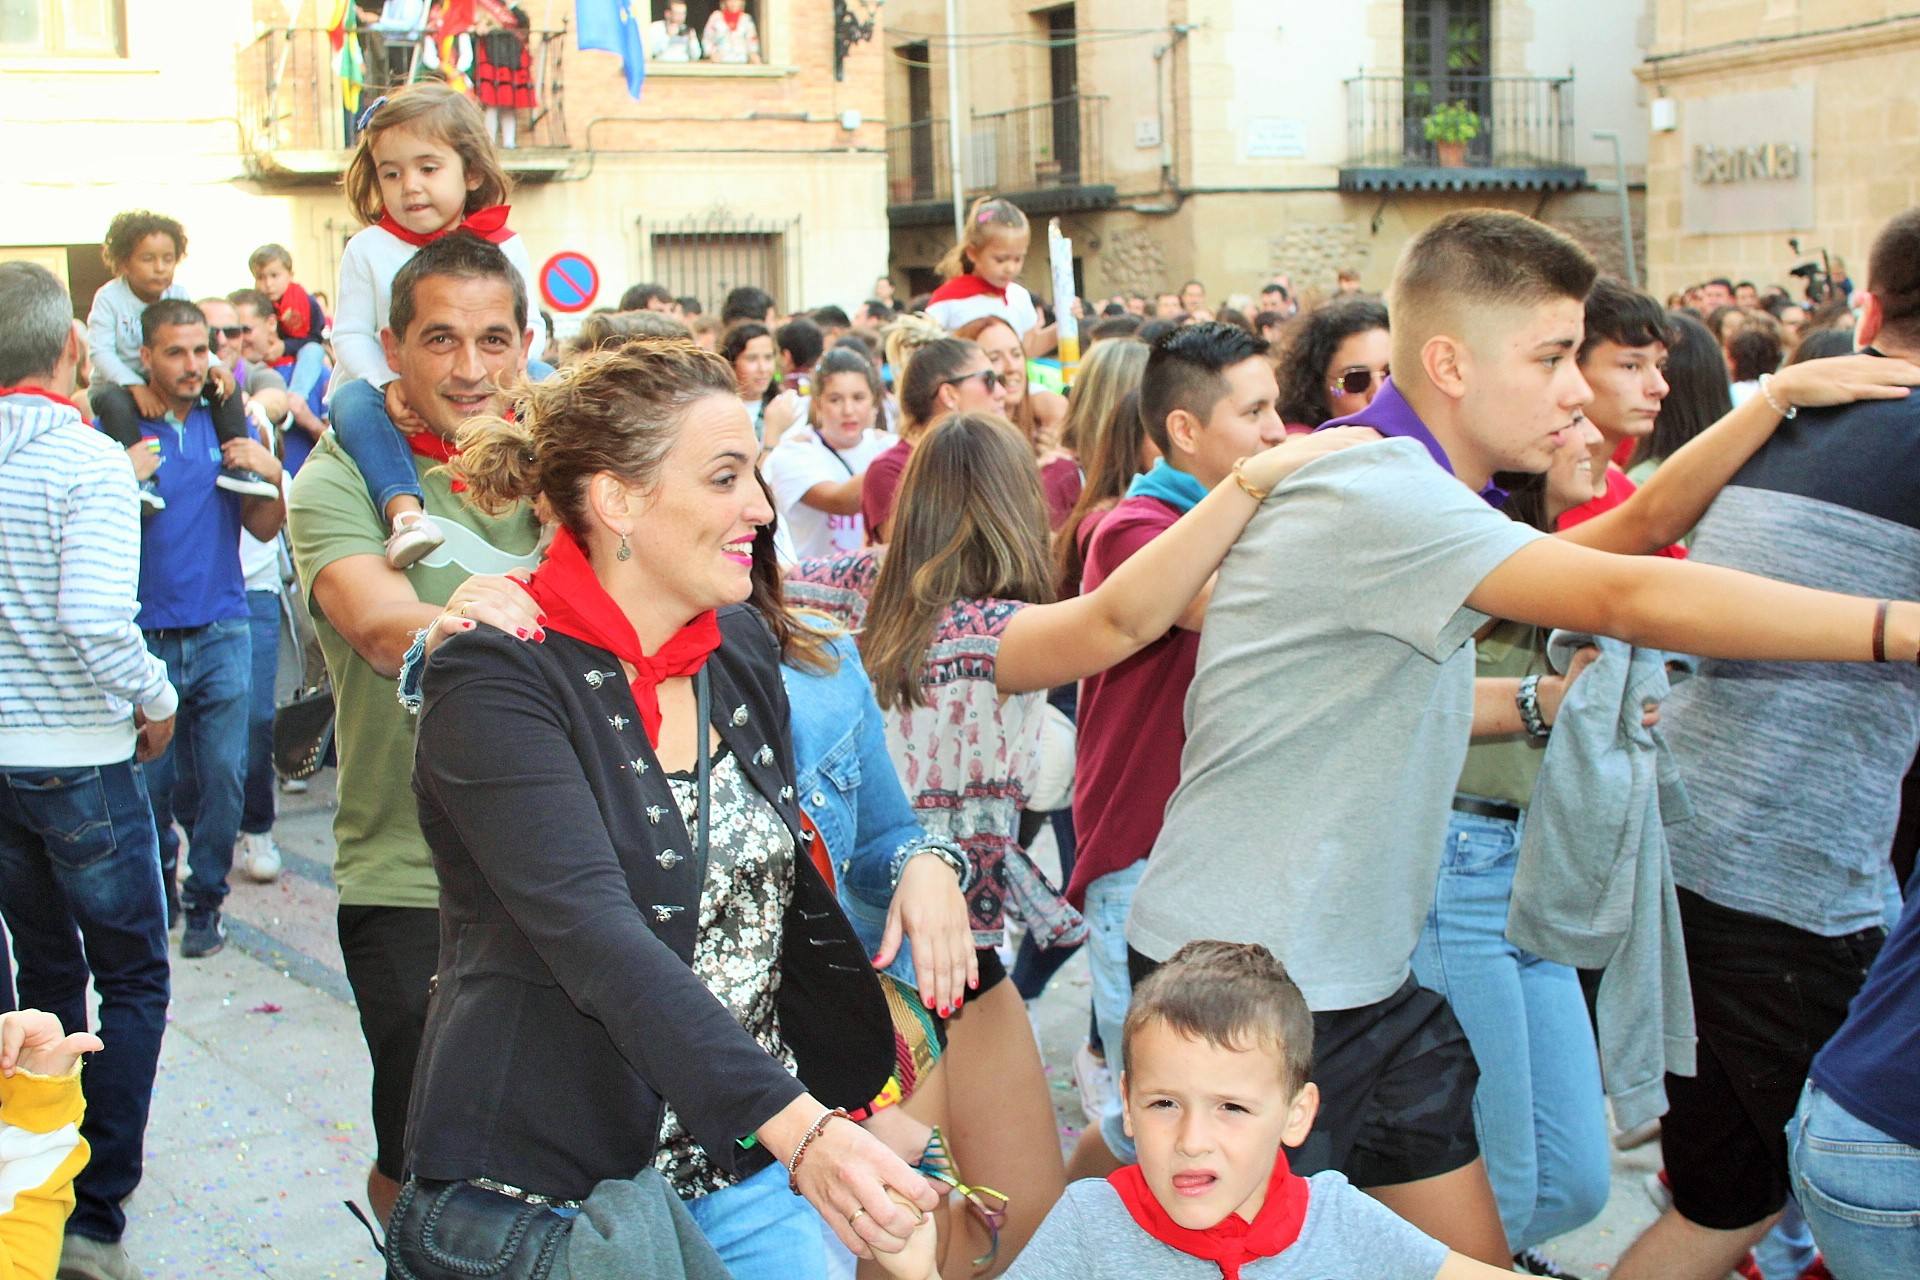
(625, 552)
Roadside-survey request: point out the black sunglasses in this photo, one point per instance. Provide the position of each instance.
(988, 379)
(231, 330)
(1357, 379)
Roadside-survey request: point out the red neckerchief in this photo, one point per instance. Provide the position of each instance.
(45, 394)
(732, 19)
(428, 445)
(966, 286)
(1233, 1242)
(577, 605)
(490, 224)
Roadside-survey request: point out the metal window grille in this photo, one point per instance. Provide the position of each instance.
(709, 255)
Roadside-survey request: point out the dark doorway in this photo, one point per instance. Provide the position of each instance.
(1063, 77)
(920, 148)
(1448, 57)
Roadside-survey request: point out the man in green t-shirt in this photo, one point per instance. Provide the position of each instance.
(458, 329)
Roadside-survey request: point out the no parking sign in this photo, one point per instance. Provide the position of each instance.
(569, 281)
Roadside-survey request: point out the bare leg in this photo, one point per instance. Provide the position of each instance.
(1457, 1209)
(1675, 1249)
(926, 1108)
(1092, 1157)
(1002, 1132)
(405, 502)
(382, 1191)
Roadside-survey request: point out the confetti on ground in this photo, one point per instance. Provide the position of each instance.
(265, 1006)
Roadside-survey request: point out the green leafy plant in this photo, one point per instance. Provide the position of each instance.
(1452, 122)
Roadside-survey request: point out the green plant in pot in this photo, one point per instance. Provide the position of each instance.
(1450, 127)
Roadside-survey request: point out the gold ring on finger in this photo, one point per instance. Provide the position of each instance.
(856, 1215)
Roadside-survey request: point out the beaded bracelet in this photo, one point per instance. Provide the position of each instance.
(1789, 412)
(799, 1152)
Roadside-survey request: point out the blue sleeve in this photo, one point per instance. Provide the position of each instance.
(363, 429)
(884, 822)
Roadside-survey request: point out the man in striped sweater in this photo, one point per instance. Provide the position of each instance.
(84, 702)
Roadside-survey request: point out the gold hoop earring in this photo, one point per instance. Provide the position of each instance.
(625, 552)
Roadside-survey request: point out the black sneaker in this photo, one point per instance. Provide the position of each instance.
(205, 935)
(250, 483)
(1535, 1263)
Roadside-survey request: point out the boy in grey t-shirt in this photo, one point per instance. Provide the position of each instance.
(1217, 1044)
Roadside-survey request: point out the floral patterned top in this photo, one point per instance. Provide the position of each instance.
(968, 757)
(737, 950)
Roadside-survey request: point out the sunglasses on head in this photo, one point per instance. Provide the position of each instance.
(1358, 379)
(231, 330)
(988, 379)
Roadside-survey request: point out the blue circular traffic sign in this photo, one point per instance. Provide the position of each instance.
(569, 281)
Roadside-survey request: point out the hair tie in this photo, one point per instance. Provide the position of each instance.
(986, 215)
(361, 121)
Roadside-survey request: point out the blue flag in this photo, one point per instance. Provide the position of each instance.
(611, 25)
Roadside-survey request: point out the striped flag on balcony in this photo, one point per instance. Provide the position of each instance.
(611, 25)
(346, 54)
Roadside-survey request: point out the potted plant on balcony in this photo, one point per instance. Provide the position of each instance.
(1450, 127)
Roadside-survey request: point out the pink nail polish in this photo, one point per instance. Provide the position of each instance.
(521, 632)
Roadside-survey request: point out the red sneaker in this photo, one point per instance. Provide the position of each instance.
(1749, 1269)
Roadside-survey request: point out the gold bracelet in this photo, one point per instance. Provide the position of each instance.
(1247, 486)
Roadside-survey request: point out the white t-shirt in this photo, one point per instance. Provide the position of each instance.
(1018, 310)
(802, 460)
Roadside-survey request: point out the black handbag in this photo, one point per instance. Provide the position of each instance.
(303, 733)
(457, 1231)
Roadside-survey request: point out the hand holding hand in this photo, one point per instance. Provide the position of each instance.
(147, 401)
(31, 1040)
(1843, 380)
(931, 912)
(919, 1260)
(150, 736)
(1266, 469)
(865, 1192)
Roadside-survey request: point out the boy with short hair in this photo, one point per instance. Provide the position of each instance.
(1332, 699)
(1218, 1047)
(299, 316)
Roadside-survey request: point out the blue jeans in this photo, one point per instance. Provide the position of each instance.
(80, 893)
(1109, 901)
(263, 637)
(1538, 1110)
(212, 667)
(762, 1231)
(1859, 1187)
(363, 429)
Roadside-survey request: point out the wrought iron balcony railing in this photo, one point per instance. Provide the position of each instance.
(1046, 146)
(1520, 127)
(293, 103)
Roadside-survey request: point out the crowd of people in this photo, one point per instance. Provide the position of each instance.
(1472, 725)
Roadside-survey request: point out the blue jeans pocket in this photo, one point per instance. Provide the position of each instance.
(69, 808)
(1847, 1169)
(1476, 843)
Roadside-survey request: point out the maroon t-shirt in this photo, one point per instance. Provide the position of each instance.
(878, 485)
(1060, 480)
(1131, 720)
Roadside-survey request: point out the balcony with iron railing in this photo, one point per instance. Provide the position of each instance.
(1045, 157)
(293, 104)
(1452, 132)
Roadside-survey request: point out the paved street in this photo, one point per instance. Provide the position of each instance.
(260, 1126)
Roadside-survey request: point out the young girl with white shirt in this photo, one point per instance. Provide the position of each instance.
(816, 473)
(424, 167)
(983, 275)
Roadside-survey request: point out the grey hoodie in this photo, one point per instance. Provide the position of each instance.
(1593, 887)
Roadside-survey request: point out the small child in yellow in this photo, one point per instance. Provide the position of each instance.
(41, 1149)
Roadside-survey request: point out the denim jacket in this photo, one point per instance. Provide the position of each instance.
(848, 787)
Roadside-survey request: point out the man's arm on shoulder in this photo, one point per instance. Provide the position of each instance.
(373, 607)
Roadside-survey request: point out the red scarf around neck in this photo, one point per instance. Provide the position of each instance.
(428, 445)
(490, 224)
(1233, 1242)
(576, 605)
(732, 19)
(45, 394)
(966, 286)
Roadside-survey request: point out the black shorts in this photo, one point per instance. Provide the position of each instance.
(391, 955)
(1766, 996)
(1396, 1089)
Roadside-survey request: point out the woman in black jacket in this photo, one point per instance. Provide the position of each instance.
(637, 959)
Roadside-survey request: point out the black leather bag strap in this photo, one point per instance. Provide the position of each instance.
(703, 699)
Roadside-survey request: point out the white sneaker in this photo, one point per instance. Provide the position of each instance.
(293, 786)
(414, 537)
(260, 857)
(1095, 1082)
